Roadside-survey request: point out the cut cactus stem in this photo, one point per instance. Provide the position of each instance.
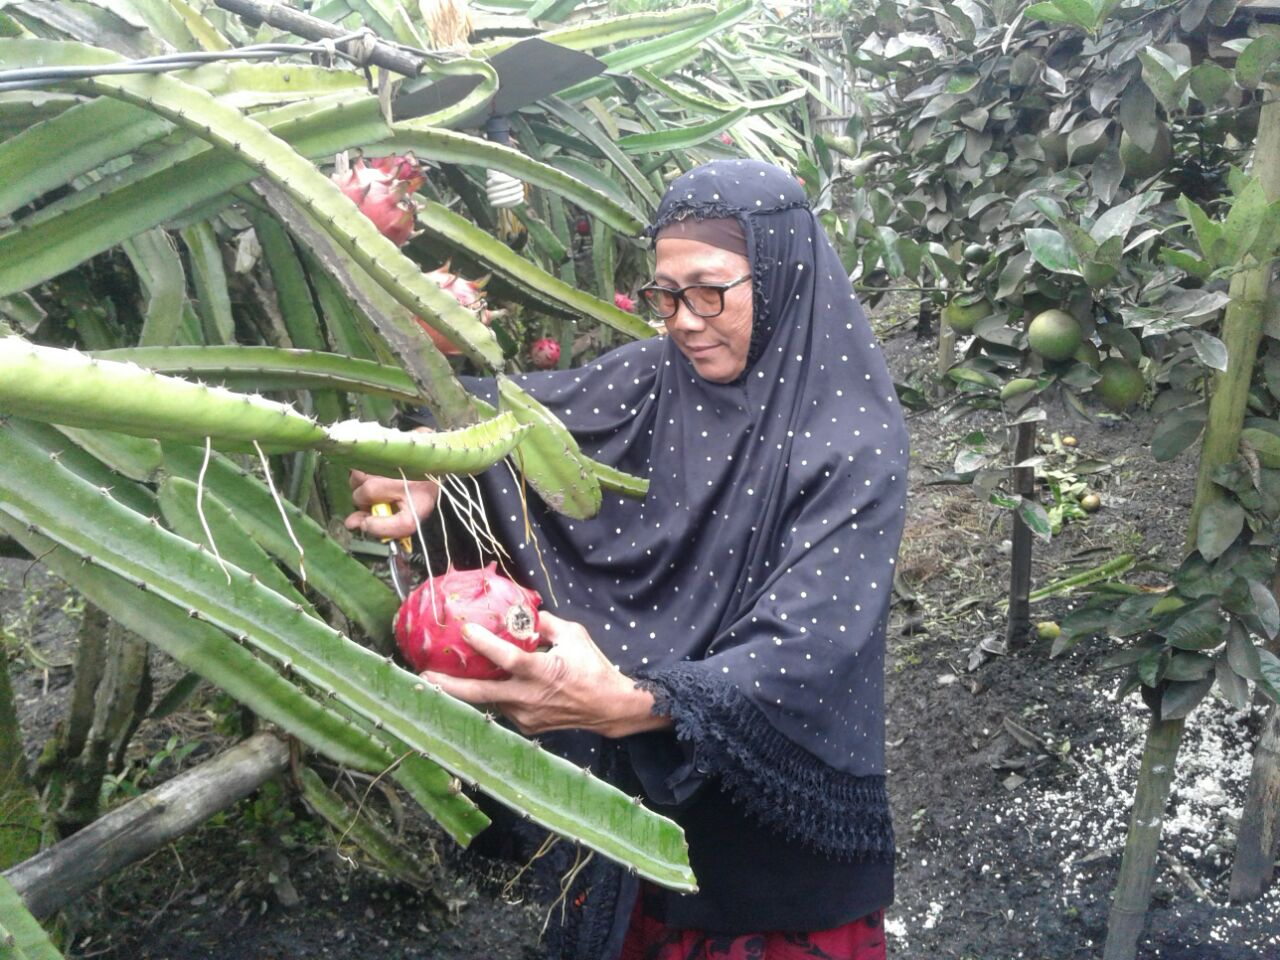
(68, 387)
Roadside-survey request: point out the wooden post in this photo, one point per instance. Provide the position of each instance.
(1018, 627)
(1254, 864)
(1242, 333)
(55, 877)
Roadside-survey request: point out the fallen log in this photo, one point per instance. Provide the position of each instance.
(56, 876)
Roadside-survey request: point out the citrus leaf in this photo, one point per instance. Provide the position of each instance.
(1220, 523)
(1201, 629)
(1051, 250)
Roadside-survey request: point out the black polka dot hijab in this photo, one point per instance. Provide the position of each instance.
(750, 588)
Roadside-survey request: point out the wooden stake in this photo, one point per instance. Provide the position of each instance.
(57, 876)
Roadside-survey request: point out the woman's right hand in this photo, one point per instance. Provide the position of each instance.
(411, 500)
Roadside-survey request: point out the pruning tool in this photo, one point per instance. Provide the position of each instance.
(398, 553)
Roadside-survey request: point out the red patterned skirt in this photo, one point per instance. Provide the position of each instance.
(651, 939)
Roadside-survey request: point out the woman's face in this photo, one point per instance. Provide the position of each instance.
(717, 347)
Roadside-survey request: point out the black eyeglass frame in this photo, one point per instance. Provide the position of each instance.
(679, 295)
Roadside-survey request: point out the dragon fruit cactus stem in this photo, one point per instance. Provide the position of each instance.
(429, 625)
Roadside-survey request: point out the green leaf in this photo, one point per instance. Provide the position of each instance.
(1200, 629)
(1255, 59)
(963, 80)
(1188, 666)
(1160, 74)
(1264, 444)
(1242, 653)
(1177, 431)
(1220, 523)
(1207, 232)
(1265, 608)
(1179, 699)
(1138, 116)
(1269, 666)
(1051, 251)
(1036, 518)
(1211, 351)
(1234, 687)
(1078, 13)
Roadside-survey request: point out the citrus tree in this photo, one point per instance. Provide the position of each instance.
(230, 250)
(1087, 191)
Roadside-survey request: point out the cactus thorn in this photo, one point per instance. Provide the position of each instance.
(193, 613)
(142, 585)
(419, 687)
(86, 560)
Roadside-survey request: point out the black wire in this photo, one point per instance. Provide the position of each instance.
(25, 78)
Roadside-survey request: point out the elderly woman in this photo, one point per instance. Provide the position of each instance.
(719, 644)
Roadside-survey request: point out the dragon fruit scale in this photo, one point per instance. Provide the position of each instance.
(382, 189)
(468, 293)
(429, 625)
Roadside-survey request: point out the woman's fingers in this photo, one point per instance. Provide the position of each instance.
(399, 524)
(503, 655)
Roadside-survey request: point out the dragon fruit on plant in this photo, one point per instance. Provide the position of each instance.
(469, 293)
(545, 353)
(623, 302)
(382, 188)
(429, 625)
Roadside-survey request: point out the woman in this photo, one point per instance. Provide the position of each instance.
(719, 644)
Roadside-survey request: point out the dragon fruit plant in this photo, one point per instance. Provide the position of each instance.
(429, 625)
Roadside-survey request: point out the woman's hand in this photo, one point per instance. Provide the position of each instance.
(412, 501)
(571, 686)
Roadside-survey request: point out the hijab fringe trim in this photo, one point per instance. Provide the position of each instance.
(779, 783)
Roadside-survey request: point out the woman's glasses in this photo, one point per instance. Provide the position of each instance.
(705, 300)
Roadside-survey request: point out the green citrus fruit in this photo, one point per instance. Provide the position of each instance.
(1090, 502)
(1139, 163)
(962, 317)
(1048, 630)
(1122, 384)
(1069, 441)
(1055, 335)
(976, 253)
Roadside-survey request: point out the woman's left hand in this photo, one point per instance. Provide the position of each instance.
(571, 686)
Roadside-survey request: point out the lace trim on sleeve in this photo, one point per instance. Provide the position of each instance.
(779, 783)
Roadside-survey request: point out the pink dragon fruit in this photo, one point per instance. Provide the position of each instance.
(623, 302)
(469, 293)
(545, 353)
(429, 626)
(382, 189)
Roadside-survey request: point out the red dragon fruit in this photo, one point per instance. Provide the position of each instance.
(623, 302)
(429, 626)
(467, 292)
(545, 353)
(382, 189)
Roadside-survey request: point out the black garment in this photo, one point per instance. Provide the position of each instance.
(749, 590)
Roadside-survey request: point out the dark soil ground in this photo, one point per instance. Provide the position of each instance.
(1010, 782)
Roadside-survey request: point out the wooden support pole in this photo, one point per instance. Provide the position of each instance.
(57, 876)
(1253, 867)
(304, 25)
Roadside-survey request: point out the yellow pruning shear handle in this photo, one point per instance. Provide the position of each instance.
(400, 551)
(384, 510)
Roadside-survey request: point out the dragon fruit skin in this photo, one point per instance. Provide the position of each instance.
(431, 639)
(623, 302)
(545, 353)
(381, 189)
(468, 293)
